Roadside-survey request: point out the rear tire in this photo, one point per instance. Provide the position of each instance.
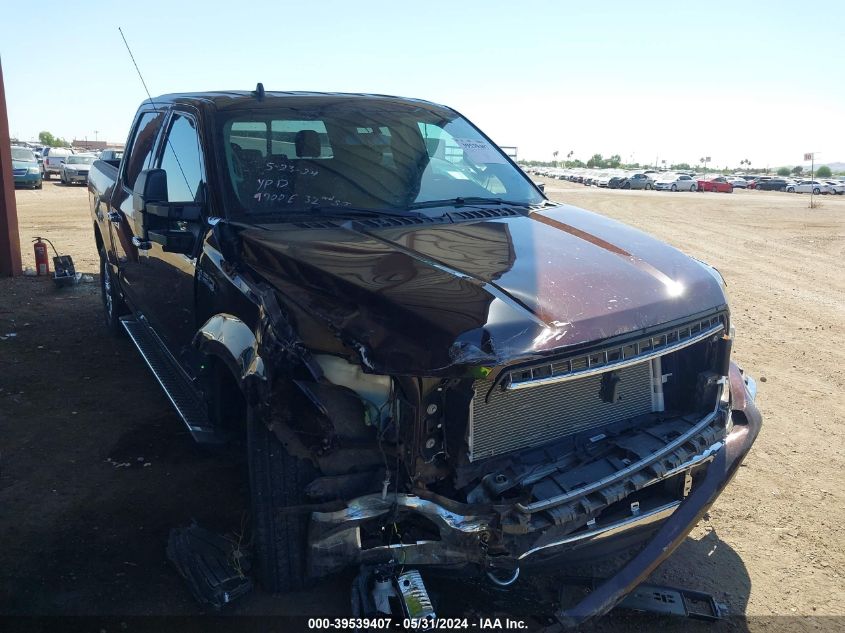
(816, 191)
(276, 480)
(113, 305)
(46, 176)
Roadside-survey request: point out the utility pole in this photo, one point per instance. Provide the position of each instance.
(10, 239)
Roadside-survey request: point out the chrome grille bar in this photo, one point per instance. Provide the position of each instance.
(617, 357)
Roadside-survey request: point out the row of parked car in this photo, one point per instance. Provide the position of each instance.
(688, 181)
(30, 167)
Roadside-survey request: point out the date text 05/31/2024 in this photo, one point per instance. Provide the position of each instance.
(387, 623)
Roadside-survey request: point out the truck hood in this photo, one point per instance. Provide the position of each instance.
(432, 299)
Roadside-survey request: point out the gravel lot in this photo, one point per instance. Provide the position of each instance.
(85, 535)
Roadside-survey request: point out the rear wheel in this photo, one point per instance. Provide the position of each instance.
(693, 188)
(277, 480)
(649, 187)
(816, 191)
(46, 176)
(113, 305)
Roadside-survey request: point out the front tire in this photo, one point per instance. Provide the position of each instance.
(113, 305)
(276, 480)
(673, 188)
(816, 191)
(693, 188)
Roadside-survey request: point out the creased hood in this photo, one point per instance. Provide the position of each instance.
(429, 299)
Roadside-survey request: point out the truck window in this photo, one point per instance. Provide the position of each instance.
(182, 160)
(140, 149)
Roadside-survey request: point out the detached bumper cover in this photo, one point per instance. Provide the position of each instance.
(684, 518)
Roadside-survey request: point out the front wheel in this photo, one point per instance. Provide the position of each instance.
(816, 191)
(277, 480)
(790, 190)
(113, 305)
(693, 188)
(673, 188)
(46, 176)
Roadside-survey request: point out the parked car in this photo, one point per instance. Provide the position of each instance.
(675, 182)
(738, 182)
(772, 184)
(718, 184)
(75, 168)
(370, 292)
(836, 186)
(639, 181)
(816, 187)
(25, 170)
(54, 158)
(752, 184)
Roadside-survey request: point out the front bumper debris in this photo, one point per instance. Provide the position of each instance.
(467, 533)
(675, 529)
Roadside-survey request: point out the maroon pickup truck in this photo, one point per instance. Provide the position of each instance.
(432, 364)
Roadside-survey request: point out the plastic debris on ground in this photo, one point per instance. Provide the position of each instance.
(214, 567)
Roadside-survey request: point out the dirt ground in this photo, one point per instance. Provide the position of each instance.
(96, 467)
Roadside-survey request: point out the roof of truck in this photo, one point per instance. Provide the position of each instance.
(239, 99)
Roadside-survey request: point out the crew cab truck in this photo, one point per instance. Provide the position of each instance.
(431, 363)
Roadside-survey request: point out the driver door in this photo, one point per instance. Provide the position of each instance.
(165, 284)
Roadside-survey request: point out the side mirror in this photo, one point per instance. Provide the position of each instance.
(150, 186)
(173, 225)
(541, 186)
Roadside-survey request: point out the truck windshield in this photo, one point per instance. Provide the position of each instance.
(363, 154)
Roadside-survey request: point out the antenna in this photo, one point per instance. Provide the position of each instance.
(155, 109)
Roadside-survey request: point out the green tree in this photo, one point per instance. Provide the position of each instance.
(596, 160)
(824, 172)
(52, 141)
(783, 171)
(681, 166)
(614, 161)
(796, 171)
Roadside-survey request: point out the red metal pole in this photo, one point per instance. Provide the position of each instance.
(10, 242)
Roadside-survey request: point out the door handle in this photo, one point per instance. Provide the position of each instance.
(114, 217)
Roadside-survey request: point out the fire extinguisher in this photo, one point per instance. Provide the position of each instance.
(42, 261)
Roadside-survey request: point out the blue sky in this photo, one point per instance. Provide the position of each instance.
(674, 81)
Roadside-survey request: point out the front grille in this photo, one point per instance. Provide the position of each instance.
(533, 405)
(19, 172)
(513, 420)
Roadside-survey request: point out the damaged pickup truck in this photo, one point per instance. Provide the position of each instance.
(431, 363)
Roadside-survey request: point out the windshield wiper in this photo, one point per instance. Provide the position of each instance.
(468, 201)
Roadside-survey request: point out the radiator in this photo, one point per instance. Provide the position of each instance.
(523, 418)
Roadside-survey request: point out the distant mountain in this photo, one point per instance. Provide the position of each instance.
(835, 167)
